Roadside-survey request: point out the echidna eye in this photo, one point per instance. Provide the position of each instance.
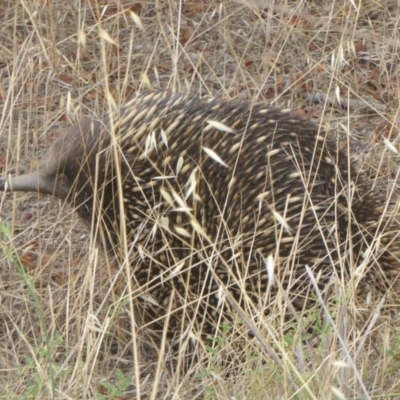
(62, 177)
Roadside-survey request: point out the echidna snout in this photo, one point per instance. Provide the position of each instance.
(209, 190)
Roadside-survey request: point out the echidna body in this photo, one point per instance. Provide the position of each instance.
(207, 193)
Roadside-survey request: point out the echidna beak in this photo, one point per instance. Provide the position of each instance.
(26, 183)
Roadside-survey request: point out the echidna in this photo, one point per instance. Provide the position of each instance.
(200, 193)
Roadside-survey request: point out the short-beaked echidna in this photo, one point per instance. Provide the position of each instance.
(205, 192)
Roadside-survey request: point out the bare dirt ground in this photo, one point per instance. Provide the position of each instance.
(65, 333)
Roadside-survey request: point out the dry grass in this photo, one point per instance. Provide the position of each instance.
(65, 329)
